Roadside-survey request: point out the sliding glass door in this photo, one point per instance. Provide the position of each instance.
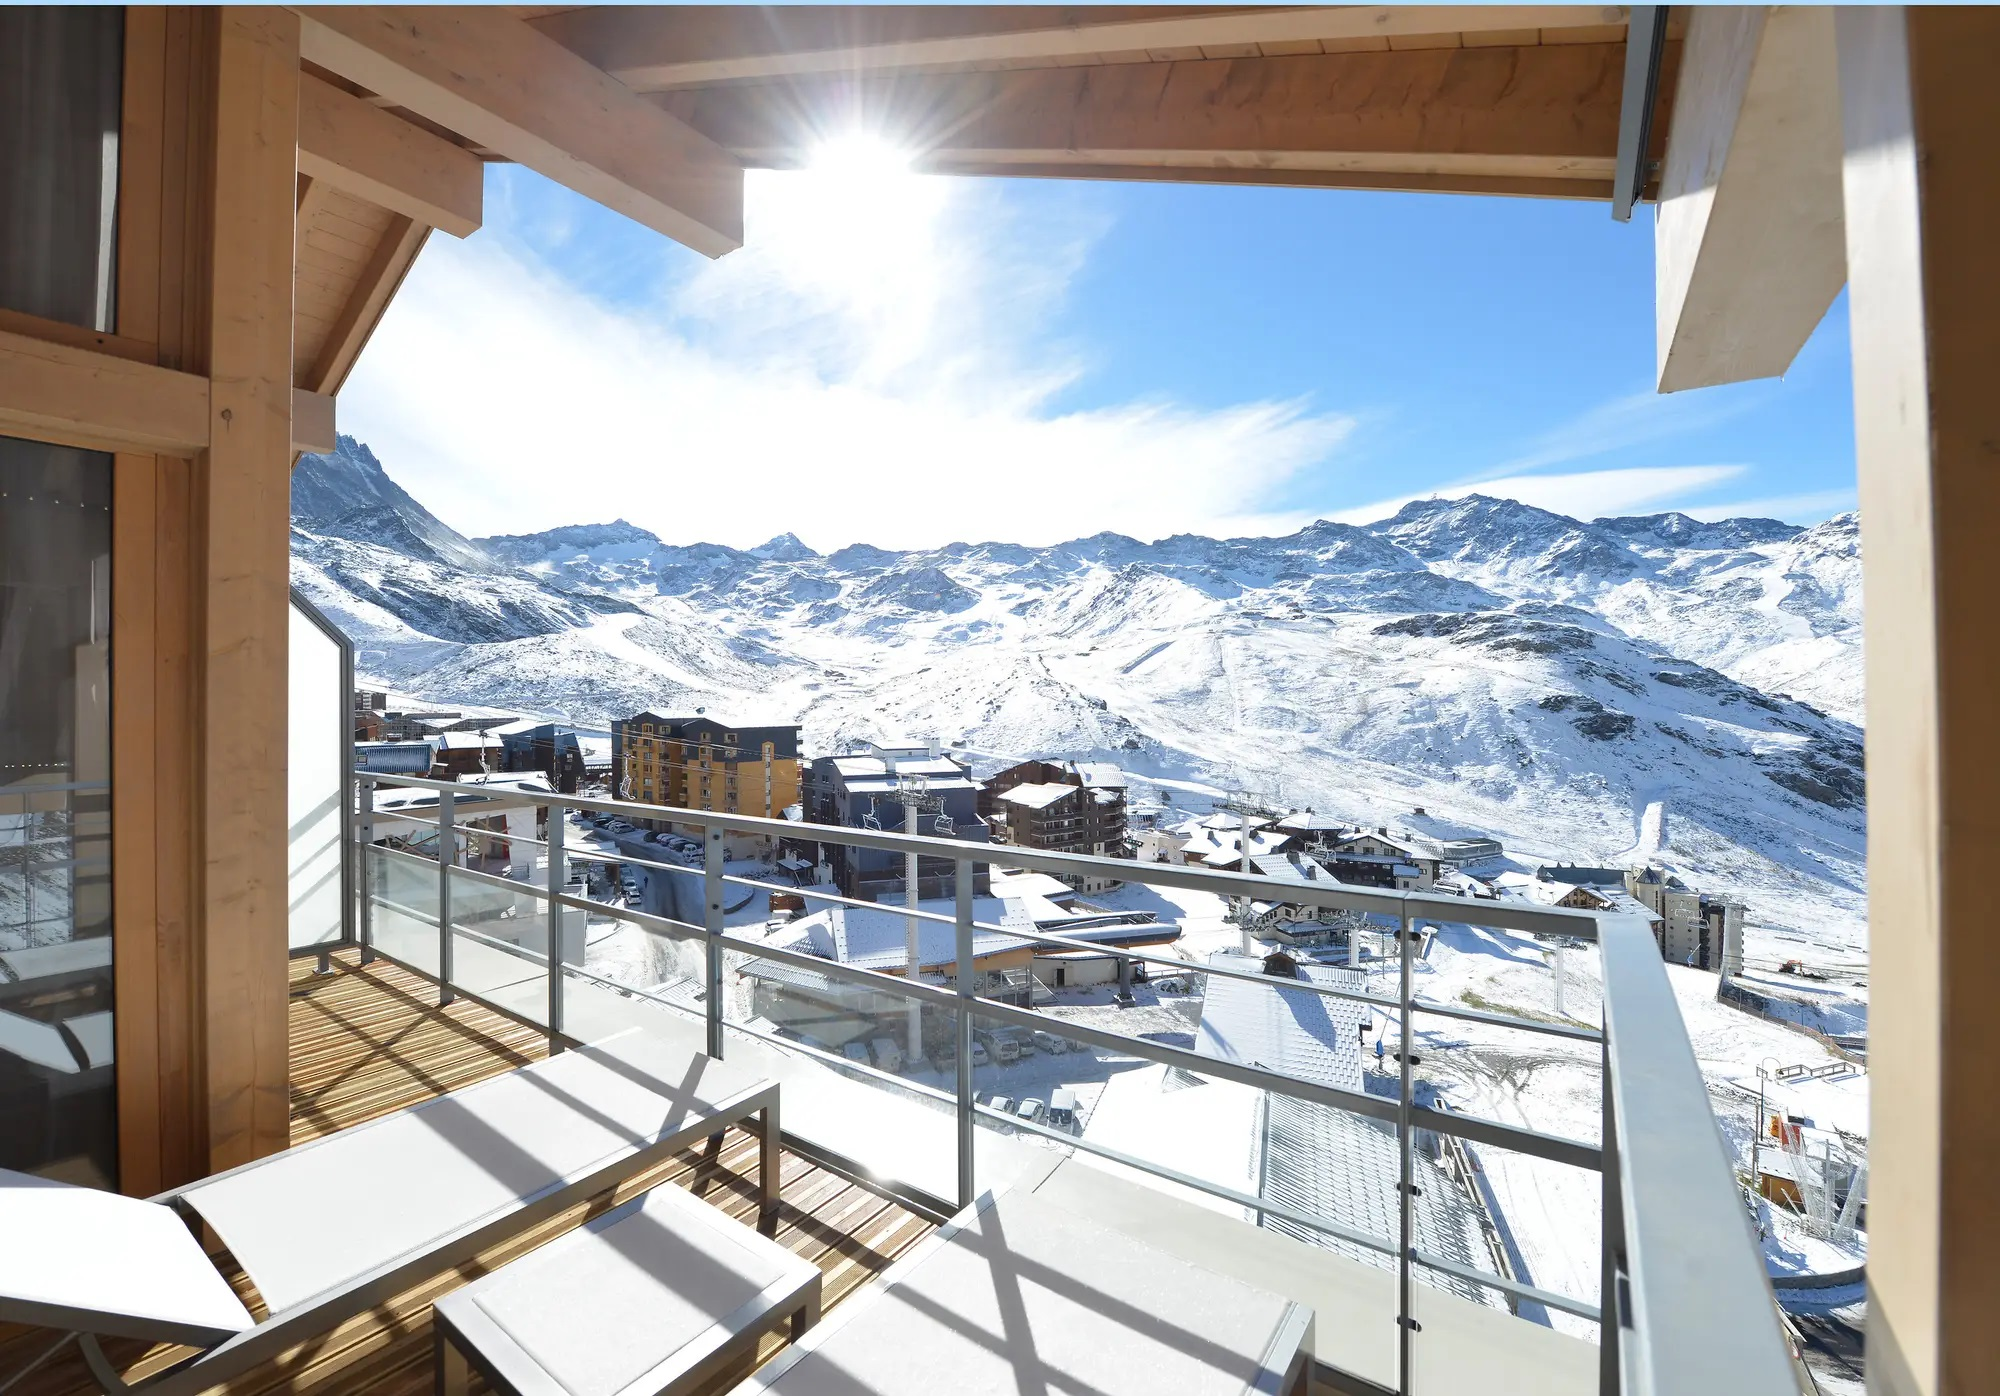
(58, 1102)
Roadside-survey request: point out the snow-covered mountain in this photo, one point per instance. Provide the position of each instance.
(1584, 690)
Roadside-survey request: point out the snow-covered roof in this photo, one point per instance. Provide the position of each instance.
(1293, 1030)
(1220, 847)
(1030, 884)
(1306, 821)
(1100, 773)
(467, 741)
(1038, 796)
(1314, 1158)
(1282, 866)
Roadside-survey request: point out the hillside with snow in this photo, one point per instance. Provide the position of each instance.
(1619, 688)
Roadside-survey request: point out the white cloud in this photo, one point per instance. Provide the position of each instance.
(1792, 508)
(1623, 423)
(878, 364)
(1586, 494)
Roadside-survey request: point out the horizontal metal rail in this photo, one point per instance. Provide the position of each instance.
(1337, 897)
(1548, 1298)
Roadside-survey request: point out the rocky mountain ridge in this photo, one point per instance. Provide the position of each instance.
(1556, 681)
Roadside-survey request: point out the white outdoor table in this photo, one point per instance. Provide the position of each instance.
(1018, 1295)
(659, 1295)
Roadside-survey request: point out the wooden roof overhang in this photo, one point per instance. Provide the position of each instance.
(657, 111)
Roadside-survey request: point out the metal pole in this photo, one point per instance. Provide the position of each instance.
(1243, 866)
(447, 854)
(711, 883)
(1610, 1333)
(557, 878)
(915, 1010)
(967, 1176)
(1560, 974)
(364, 834)
(1406, 1321)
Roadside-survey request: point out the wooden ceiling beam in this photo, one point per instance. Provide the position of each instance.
(1477, 115)
(379, 157)
(502, 85)
(655, 48)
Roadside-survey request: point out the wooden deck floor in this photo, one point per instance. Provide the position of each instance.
(369, 1041)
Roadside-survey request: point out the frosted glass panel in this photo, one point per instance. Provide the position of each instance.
(314, 782)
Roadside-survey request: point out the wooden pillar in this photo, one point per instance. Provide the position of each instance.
(243, 503)
(1921, 175)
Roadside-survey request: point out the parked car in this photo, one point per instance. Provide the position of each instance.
(1001, 1105)
(1029, 1110)
(1062, 1108)
(1049, 1042)
(980, 1056)
(1003, 1047)
(855, 1052)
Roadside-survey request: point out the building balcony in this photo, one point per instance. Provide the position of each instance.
(1362, 1196)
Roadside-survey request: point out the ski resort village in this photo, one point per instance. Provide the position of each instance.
(1549, 751)
(869, 700)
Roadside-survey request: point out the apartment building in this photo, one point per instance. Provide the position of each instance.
(1067, 807)
(704, 762)
(1694, 928)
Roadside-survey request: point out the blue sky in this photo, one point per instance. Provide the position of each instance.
(908, 360)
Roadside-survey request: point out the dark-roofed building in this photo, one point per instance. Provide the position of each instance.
(859, 789)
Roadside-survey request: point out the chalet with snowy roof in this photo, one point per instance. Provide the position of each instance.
(1217, 842)
(1380, 859)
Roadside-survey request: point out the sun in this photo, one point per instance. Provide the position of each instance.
(859, 156)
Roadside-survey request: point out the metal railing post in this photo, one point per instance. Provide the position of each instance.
(962, 896)
(364, 835)
(711, 886)
(1406, 1320)
(447, 854)
(557, 878)
(1611, 1226)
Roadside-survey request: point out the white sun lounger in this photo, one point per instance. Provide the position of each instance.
(658, 1296)
(1017, 1294)
(330, 1229)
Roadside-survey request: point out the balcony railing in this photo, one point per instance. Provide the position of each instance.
(1684, 1304)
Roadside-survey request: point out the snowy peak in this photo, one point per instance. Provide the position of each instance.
(346, 493)
(786, 547)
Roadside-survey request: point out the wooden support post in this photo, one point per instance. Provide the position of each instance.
(1922, 188)
(243, 502)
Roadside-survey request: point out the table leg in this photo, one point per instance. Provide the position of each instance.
(768, 1150)
(454, 1373)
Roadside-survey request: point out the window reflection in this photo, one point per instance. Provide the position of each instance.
(57, 1107)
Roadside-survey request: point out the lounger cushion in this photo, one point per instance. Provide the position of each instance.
(652, 1287)
(79, 1258)
(319, 1216)
(1027, 1296)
